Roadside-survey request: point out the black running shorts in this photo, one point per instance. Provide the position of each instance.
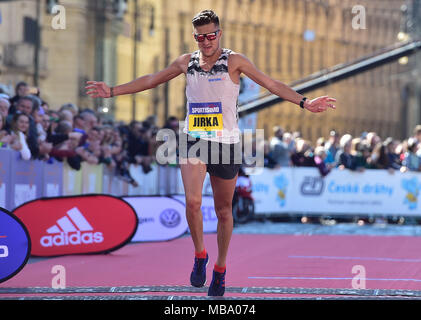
(222, 160)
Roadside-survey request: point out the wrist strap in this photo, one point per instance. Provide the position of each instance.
(111, 92)
(302, 102)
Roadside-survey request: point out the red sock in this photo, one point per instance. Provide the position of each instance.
(201, 255)
(219, 269)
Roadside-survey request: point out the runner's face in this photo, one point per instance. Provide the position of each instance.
(208, 47)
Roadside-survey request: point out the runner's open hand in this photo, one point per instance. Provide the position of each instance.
(320, 104)
(96, 89)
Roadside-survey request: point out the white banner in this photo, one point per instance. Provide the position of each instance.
(289, 190)
(272, 191)
(160, 218)
(147, 182)
(24, 193)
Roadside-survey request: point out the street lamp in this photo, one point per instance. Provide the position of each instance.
(403, 61)
(403, 36)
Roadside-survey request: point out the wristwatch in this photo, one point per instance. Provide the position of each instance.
(302, 102)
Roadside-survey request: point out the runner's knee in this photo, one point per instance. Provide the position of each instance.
(193, 204)
(224, 211)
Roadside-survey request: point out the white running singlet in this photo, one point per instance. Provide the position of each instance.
(212, 101)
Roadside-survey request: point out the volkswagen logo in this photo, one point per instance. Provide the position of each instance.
(170, 218)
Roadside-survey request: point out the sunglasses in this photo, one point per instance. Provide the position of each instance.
(210, 36)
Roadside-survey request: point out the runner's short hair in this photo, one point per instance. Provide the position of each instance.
(205, 17)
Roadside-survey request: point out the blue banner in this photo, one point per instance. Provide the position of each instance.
(15, 245)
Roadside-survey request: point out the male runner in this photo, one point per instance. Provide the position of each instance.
(213, 76)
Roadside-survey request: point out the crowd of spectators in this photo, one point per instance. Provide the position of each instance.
(356, 153)
(29, 126)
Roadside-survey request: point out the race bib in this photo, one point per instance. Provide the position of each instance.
(205, 119)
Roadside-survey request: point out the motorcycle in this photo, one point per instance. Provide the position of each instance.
(243, 202)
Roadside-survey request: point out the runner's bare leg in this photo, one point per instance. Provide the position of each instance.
(223, 192)
(193, 177)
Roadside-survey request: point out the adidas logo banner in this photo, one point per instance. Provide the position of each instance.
(78, 224)
(72, 229)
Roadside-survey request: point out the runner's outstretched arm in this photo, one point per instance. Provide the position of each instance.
(244, 65)
(97, 89)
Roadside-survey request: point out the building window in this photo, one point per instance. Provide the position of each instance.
(301, 62)
(279, 57)
(311, 59)
(244, 45)
(321, 55)
(268, 57)
(30, 28)
(290, 59)
(256, 51)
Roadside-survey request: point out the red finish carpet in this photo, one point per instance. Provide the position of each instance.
(278, 265)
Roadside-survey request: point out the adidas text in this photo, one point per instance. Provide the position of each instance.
(78, 238)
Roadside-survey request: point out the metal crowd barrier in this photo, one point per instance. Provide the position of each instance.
(280, 191)
(22, 181)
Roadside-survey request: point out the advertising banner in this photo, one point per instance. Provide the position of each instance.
(52, 179)
(167, 179)
(272, 191)
(5, 179)
(91, 178)
(147, 182)
(114, 184)
(15, 245)
(26, 180)
(78, 224)
(347, 192)
(72, 181)
(160, 218)
(210, 221)
(108, 181)
(380, 192)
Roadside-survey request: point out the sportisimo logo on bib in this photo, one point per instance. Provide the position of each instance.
(72, 229)
(205, 119)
